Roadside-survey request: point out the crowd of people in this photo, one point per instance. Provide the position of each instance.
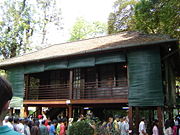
(118, 126)
(171, 127)
(40, 126)
(113, 126)
(36, 126)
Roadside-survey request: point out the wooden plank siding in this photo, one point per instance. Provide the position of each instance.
(103, 82)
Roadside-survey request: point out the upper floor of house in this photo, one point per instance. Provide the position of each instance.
(106, 81)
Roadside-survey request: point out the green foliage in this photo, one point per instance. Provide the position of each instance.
(161, 17)
(148, 16)
(16, 26)
(81, 128)
(91, 126)
(112, 113)
(143, 13)
(3, 73)
(20, 20)
(122, 17)
(83, 29)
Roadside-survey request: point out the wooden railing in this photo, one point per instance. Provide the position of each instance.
(87, 90)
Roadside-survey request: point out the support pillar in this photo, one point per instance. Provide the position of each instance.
(170, 113)
(26, 112)
(27, 89)
(130, 116)
(38, 110)
(151, 118)
(71, 84)
(70, 111)
(137, 120)
(11, 112)
(160, 119)
(82, 110)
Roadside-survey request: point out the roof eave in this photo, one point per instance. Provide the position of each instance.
(5, 66)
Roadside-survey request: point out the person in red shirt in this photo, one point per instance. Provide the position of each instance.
(47, 121)
(62, 127)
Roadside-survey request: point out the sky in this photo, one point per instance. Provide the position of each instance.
(90, 10)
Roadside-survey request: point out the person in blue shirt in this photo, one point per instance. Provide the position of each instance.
(52, 130)
(5, 97)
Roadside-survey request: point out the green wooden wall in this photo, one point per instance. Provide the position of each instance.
(145, 80)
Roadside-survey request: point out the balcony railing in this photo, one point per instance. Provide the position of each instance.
(87, 90)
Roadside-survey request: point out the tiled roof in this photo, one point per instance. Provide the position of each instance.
(85, 46)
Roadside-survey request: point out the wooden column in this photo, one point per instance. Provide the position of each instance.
(82, 84)
(70, 84)
(82, 110)
(137, 120)
(130, 116)
(70, 111)
(170, 113)
(160, 119)
(151, 118)
(27, 87)
(11, 111)
(26, 112)
(38, 110)
(97, 77)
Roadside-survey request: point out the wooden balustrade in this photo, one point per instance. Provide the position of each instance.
(87, 90)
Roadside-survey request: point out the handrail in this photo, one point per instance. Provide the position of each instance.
(87, 90)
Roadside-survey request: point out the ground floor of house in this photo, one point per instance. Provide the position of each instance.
(101, 108)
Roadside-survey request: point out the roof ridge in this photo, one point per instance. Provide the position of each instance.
(65, 43)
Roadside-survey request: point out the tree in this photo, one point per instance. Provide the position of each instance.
(16, 26)
(147, 16)
(22, 20)
(83, 29)
(159, 17)
(2, 73)
(48, 14)
(81, 128)
(122, 17)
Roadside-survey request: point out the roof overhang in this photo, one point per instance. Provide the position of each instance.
(117, 47)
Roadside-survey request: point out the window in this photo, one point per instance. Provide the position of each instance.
(90, 74)
(121, 74)
(106, 75)
(59, 77)
(76, 83)
(90, 82)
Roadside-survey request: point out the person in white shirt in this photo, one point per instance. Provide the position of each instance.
(5, 120)
(9, 123)
(168, 127)
(142, 127)
(155, 128)
(20, 126)
(26, 127)
(40, 117)
(120, 123)
(125, 127)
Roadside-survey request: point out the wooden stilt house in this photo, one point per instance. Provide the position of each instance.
(126, 69)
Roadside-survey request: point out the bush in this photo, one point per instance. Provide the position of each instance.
(81, 128)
